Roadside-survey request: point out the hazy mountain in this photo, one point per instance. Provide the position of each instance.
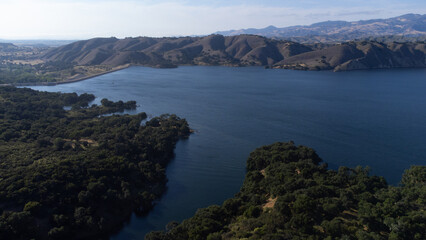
(334, 31)
(241, 50)
(39, 42)
(7, 46)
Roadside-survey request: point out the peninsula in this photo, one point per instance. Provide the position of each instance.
(288, 193)
(78, 174)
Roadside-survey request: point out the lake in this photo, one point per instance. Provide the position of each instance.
(375, 118)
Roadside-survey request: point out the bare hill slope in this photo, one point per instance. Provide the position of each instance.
(241, 50)
(209, 50)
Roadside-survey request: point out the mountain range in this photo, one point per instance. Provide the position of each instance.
(240, 50)
(337, 31)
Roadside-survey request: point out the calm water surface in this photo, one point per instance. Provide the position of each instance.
(374, 118)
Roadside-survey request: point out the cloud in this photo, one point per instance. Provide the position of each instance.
(64, 19)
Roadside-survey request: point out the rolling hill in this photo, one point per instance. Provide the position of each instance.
(241, 50)
(359, 55)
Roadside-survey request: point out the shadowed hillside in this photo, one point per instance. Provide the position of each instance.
(359, 55)
(241, 50)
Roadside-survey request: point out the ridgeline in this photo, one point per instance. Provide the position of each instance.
(241, 50)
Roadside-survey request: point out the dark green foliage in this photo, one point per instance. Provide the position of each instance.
(77, 174)
(288, 194)
(32, 207)
(20, 73)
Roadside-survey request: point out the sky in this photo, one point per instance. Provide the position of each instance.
(82, 19)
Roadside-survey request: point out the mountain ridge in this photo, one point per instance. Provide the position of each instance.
(335, 31)
(243, 50)
(240, 50)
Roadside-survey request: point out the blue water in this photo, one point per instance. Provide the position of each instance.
(375, 118)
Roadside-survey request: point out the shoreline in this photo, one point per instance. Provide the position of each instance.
(131, 65)
(70, 80)
(94, 75)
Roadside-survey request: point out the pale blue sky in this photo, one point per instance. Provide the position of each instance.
(79, 19)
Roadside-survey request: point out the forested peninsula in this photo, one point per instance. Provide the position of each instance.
(78, 173)
(289, 193)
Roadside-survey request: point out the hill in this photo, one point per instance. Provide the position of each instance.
(241, 50)
(359, 55)
(289, 194)
(338, 31)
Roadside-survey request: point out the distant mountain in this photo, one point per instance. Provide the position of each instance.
(338, 31)
(38, 42)
(241, 50)
(7, 46)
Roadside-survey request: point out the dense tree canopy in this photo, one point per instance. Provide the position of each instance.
(289, 194)
(77, 174)
(25, 73)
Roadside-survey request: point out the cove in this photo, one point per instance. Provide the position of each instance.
(375, 118)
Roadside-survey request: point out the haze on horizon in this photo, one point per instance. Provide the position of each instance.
(79, 19)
